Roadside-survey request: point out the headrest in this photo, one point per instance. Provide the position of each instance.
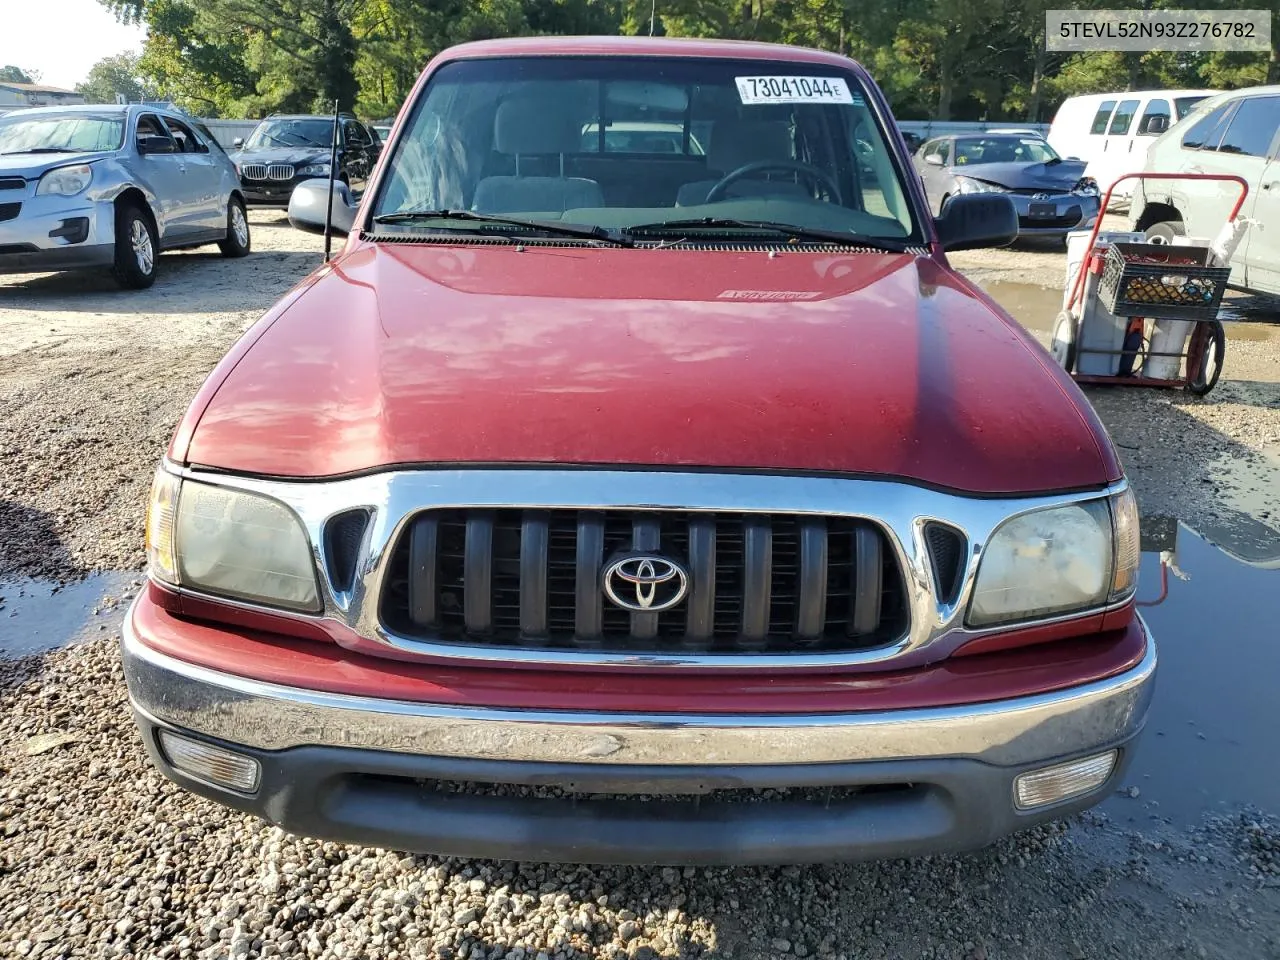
(738, 142)
(524, 125)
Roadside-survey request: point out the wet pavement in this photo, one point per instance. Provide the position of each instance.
(1209, 745)
(41, 615)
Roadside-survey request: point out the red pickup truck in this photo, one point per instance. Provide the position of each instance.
(664, 498)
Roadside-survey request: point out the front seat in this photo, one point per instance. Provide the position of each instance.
(735, 143)
(524, 128)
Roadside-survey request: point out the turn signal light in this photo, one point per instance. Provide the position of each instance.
(1062, 781)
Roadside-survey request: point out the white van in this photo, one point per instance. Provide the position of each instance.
(1111, 131)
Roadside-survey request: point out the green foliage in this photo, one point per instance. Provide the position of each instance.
(12, 74)
(942, 59)
(115, 76)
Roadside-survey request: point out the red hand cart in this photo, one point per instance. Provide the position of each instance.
(1138, 282)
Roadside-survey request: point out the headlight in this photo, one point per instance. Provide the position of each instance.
(230, 543)
(1086, 187)
(1058, 560)
(315, 170)
(66, 181)
(970, 185)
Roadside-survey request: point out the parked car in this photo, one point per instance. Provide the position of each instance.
(913, 141)
(584, 496)
(283, 151)
(113, 186)
(1233, 133)
(1111, 131)
(1052, 195)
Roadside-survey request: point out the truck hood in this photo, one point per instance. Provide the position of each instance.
(853, 363)
(32, 166)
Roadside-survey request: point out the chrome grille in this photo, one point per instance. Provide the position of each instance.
(531, 579)
(280, 171)
(254, 171)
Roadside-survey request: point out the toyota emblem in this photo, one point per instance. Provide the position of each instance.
(645, 583)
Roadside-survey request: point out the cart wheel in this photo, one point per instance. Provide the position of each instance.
(1205, 354)
(1063, 343)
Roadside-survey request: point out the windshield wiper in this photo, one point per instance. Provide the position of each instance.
(812, 234)
(547, 226)
(14, 153)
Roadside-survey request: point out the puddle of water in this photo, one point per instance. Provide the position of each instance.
(1036, 307)
(1033, 306)
(1209, 745)
(41, 615)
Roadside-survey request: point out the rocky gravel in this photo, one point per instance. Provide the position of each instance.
(103, 857)
(100, 856)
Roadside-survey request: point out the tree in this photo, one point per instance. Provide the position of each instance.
(12, 74)
(113, 77)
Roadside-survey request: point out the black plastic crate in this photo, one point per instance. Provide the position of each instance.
(1162, 281)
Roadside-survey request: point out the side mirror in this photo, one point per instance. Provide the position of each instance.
(1157, 125)
(971, 220)
(934, 158)
(307, 204)
(237, 143)
(153, 144)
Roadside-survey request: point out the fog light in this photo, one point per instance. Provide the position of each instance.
(1063, 781)
(214, 765)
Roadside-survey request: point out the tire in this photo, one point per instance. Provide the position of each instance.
(1165, 231)
(1205, 355)
(237, 242)
(136, 248)
(1063, 344)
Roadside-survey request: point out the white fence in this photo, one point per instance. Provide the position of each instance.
(225, 131)
(939, 128)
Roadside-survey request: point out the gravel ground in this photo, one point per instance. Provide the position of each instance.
(102, 857)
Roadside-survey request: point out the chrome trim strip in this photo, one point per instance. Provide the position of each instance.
(274, 717)
(901, 510)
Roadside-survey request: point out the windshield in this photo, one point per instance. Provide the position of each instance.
(1185, 105)
(621, 141)
(973, 151)
(305, 132)
(69, 132)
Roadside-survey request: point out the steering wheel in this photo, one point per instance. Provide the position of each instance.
(817, 176)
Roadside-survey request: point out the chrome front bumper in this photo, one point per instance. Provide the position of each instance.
(270, 717)
(644, 789)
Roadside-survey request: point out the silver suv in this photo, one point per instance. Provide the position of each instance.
(113, 186)
(1230, 133)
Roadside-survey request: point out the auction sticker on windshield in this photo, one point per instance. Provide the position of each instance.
(793, 90)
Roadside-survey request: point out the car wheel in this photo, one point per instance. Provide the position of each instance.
(136, 248)
(1063, 342)
(236, 243)
(1165, 231)
(1205, 353)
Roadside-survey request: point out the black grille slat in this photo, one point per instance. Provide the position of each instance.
(646, 535)
(589, 601)
(533, 579)
(424, 570)
(534, 541)
(9, 211)
(757, 580)
(811, 609)
(12, 183)
(701, 605)
(867, 582)
(477, 574)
